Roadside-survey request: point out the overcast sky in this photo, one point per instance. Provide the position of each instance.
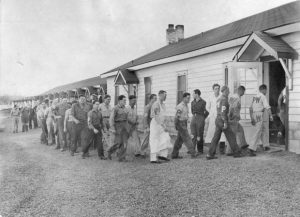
(46, 43)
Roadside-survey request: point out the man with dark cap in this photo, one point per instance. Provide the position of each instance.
(95, 123)
(118, 126)
(199, 112)
(80, 130)
(181, 118)
(60, 117)
(222, 126)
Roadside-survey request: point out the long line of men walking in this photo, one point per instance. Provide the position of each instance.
(68, 125)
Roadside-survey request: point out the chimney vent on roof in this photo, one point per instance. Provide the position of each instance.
(174, 35)
(179, 32)
(171, 34)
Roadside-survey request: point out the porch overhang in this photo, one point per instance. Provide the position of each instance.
(125, 76)
(262, 47)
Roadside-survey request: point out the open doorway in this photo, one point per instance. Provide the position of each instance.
(277, 82)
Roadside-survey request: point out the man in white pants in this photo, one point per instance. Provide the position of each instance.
(260, 112)
(159, 138)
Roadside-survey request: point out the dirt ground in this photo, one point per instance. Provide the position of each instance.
(36, 180)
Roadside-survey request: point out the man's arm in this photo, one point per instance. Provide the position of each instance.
(268, 107)
(224, 111)
(73, 114)
(280, 98)
(145, 118)
(90, 124)
(65, 121)
(112, 120)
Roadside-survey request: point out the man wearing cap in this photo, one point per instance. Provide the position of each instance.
(15, 114)
(41, 115)
(132, 119)
(118, 126)
(146, 122)
(234, 118)
(181, 119)
(222, 126)
(95, 123)
(79, 116)
(199, 112)
(105, 110)
(68, 124)
(260, 113)
(60, 117)
(159, 139)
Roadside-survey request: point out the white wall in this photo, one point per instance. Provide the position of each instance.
(202, 73)
(294, 98)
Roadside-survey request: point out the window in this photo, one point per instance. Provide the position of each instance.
(181, 87)
(147, 82)
(117, 92)
(248, 77)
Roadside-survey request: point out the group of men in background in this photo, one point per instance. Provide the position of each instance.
(28, 116)
(68, 125)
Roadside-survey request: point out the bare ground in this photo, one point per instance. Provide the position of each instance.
(36, 180)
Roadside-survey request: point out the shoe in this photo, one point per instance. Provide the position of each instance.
(83, 156)
(208, 157)
(237, 155)
(87, 154)
(163, 158)
(156, 162)
(102, 158)
(137, 155)
(251, 153)
(62, 150)
(177, 157)
(123, 160)
(109, 156)
(57, 147)
(245, 146)
(72, 153)
(229, 154)
(267, 148)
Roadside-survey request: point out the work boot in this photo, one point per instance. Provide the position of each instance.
(209, 157)
(245, 146)
(267, 148)
(251, 153)
(102, 158)
(200, 147)
(222, 148)
(163, 158)
(109, 156)
(237, 155)
(177, 157)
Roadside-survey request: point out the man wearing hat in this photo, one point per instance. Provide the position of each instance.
(79, 114)
(222, 126)
(118, 126)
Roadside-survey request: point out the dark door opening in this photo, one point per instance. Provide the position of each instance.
(277, 82)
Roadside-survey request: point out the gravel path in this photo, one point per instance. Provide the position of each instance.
(36, 180)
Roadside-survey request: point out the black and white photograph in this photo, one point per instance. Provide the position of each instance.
(149, 108)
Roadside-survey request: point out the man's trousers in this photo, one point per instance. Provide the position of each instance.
(183, 137)
(229, 134)
(197, 131)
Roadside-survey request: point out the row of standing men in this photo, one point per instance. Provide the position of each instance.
(82, 123)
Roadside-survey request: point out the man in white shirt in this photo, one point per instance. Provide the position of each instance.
(260, 112)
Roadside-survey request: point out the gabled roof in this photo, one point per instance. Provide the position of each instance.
(126, 76)
(276, 17)
(259, 43)
(94, 81)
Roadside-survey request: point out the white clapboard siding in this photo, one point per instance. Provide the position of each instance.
(202, 73)
(111, 89)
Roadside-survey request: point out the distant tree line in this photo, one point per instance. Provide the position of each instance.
(7, 99)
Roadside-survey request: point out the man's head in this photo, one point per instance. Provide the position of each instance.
(64, 100)
(197, 93)
(216, 89)
(241, 90)
(162, 95)
(153, 98)
(81, 99)
(96, 105)
(225, 90)
(107, 99)
(132, 100)
(43, 104)
(263, 89)
(186, 98)
(122, 100)
(69, 104)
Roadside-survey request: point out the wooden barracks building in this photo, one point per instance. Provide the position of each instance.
(260, 49)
